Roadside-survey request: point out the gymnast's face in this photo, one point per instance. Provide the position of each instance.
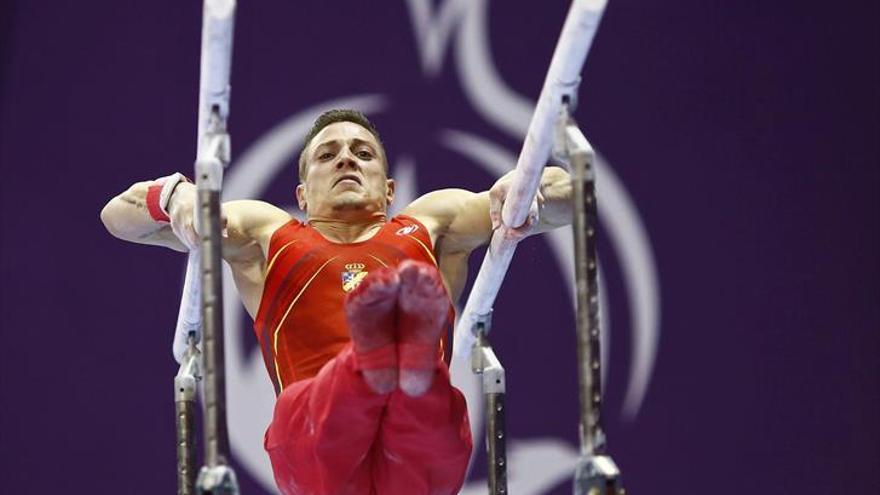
(345, 173)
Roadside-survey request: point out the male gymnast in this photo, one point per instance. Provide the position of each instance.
(351, 308)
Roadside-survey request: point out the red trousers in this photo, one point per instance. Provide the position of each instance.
(332, 434)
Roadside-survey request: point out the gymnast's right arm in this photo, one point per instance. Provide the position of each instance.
(132, 216)
(126, 216)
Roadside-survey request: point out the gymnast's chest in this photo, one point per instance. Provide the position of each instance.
(330, 271)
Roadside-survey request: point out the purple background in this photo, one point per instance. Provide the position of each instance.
(745, 131)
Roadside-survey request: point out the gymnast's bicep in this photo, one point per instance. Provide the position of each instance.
(459, 219)
(249, 225)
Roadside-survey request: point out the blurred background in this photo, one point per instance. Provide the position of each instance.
(739, 237)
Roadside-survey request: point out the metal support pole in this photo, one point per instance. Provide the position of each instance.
(486, 363)
(596, 473)
(217, 477)
(185, 387)
(216, 444)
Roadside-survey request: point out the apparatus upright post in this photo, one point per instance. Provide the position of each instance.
(216, 477)
(185, 391)
(485, 363)
(596, 473)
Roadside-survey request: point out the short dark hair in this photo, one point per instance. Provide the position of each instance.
(332, 117)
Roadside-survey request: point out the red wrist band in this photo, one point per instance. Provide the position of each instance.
(159, 195)
(153, 194)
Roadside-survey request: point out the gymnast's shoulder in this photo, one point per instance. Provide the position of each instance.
(252, 221)
(457, 219)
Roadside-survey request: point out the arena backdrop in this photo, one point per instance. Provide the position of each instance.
(738, 207)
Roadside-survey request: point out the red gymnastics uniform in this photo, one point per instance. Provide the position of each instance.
(331, 434)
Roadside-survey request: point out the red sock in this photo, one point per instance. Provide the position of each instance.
(423, 307)
(371, 310)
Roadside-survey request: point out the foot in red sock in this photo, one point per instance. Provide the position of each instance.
(423, 308)
(371, 310)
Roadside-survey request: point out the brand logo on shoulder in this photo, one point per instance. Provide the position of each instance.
(409, 229)
(353, 276)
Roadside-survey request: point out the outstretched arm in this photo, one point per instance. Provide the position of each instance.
(248, 224)
(126, 216)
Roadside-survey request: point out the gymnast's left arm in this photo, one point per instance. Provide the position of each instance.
(463, 220)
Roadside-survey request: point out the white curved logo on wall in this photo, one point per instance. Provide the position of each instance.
(535, 465)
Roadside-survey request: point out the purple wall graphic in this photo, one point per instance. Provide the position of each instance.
(739, 214)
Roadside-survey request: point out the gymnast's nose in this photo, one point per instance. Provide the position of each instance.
(346, 160)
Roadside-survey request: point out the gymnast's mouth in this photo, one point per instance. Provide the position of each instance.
(350, 177)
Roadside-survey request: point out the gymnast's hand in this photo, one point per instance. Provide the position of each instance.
(181, 211)
(497, 196)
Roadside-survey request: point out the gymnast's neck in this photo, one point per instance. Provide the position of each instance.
(346, 229)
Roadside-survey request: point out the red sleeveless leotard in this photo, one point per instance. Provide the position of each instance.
(301, 324)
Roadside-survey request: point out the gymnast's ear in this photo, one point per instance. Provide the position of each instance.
(301, 196)
(389, 190)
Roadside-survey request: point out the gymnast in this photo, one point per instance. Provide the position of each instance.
(351, 308)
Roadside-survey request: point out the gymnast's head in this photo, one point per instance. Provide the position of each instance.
(343, 168)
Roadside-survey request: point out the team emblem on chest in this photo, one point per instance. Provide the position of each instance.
(353, 275)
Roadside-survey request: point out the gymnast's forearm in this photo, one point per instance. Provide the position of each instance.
(127, 217)
(556, 191)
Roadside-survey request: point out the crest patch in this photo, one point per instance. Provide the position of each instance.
(352, 276)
